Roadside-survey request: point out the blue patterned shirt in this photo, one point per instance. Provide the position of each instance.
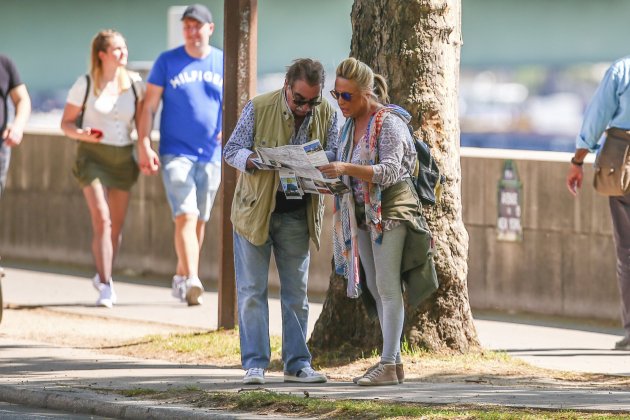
(610, 106)
(241, 142)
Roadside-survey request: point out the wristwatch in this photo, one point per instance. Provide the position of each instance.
(575, 162)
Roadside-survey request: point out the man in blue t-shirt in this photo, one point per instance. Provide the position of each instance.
(189, 82)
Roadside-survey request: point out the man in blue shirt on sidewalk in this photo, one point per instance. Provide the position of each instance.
(610, 107)
(189, 82)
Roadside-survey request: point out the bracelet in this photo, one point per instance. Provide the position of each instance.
(575, 162)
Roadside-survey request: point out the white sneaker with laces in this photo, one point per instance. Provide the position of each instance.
(107, 294)
(305, 375)
(178, 287)
(194, 290)
(254, 376)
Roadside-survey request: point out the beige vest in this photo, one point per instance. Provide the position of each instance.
(255, 194)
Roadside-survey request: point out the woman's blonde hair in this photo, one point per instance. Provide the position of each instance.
(364, 77)
(101, 42)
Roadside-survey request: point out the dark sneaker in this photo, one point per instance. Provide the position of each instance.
(623, 344)
(305, 375)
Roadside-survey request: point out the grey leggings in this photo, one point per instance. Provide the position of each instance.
(381, 263)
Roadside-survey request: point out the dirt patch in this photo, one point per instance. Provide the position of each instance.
(80, 331)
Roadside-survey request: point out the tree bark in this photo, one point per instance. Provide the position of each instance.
(415, 45)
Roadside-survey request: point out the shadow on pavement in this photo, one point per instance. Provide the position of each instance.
(556, 321)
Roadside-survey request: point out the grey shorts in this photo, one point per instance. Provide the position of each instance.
(190, 186)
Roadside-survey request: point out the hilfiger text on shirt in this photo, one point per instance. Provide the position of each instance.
(193, 76)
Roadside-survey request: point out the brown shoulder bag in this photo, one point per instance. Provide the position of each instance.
(612, 166)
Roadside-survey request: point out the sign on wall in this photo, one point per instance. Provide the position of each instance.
(509, 227)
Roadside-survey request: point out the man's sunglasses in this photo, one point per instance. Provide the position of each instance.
(311, 102)
(346, 96)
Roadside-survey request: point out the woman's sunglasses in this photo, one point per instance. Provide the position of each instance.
(346, 96)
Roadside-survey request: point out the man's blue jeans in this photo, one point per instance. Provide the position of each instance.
(288, 238)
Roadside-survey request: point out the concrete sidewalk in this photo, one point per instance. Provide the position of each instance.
(70, 379)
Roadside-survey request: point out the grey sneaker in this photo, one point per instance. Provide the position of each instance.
(194, 290)
(305, 375)
(178, 288)
(623, 344)
(382, 375)
(107, 295)
(254, 376)
(400, 373)
(370, 369)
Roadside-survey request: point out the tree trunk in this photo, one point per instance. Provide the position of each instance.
(415, 45)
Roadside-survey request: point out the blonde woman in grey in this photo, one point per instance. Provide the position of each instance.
(375, 157)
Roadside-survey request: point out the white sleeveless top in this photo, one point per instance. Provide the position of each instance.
(113, 114)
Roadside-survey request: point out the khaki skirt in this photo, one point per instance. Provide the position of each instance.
(112, 166)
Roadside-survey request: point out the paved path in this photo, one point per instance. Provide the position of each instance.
(68, 379)
(573, 349)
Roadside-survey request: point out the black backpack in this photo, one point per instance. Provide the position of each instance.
(426, 177)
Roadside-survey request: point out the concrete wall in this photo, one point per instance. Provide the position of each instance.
(564, 266)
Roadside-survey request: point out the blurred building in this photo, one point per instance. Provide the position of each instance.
(50, 40)
(526, 67)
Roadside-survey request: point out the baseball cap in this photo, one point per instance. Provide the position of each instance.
(198, 12)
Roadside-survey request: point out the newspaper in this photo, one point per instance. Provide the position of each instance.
(297, 167)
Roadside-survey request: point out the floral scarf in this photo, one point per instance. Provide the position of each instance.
(345, 244)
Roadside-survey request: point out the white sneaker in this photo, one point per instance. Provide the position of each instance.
(107, 294)
(254, 376)
(305, 375)
(178, 287)
(194, 290)
(96, 281)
